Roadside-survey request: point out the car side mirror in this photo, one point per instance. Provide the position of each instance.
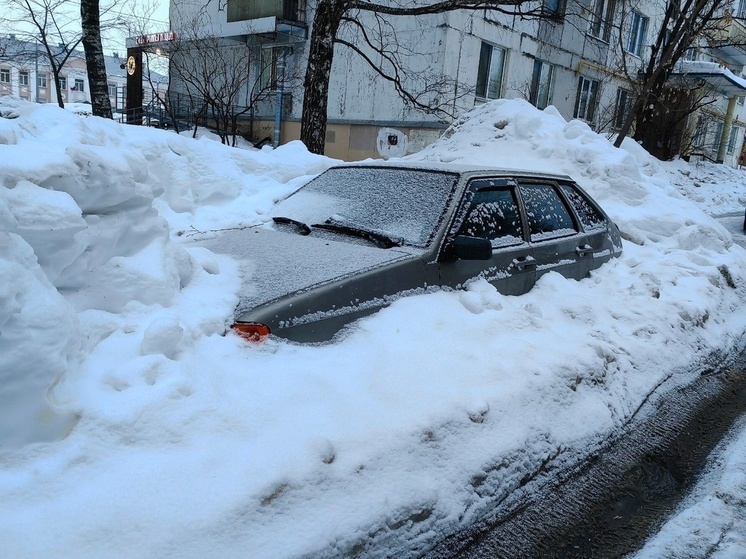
(472, 248)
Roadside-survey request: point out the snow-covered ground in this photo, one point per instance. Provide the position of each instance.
(132, 425)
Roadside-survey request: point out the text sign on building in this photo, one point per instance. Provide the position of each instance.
(164, 37)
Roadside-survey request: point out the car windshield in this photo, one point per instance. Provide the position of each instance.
(402, 204)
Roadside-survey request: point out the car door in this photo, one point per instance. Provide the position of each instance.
(598, 247)
(558, 242)
(490, 216)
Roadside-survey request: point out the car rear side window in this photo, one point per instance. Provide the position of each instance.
(548, 217)
(590, 217)
(494, 215)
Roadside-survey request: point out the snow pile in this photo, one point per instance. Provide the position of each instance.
(192, 443)
(78, 219)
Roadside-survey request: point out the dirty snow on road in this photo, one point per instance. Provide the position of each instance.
(132, 425)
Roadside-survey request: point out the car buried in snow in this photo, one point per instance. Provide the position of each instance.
(359, 235)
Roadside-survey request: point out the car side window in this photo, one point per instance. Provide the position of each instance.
(590, 217)
(548, 217)
(494, 215)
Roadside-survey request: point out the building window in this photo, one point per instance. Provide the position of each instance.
(268, 68)
(700, 132)
(587, 99)
(638, 27)
(41, 80)
(112, 90)
(732, 139)
(557, 7)
(63, 83)
(622, 107)
(718, 135)
(79, 85)
(741, 11)
(4, 75)
(542, 83)
(490, 71)
(603, 13)
(23, 78)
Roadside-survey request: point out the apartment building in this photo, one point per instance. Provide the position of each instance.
(583, 62)
(25, 72)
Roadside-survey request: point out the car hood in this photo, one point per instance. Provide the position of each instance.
(275, 263)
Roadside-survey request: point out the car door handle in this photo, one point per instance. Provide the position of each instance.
(524, 262)
(584, 250)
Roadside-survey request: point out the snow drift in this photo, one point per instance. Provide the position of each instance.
(191, 443)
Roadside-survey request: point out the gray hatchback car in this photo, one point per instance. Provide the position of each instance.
(357, 236)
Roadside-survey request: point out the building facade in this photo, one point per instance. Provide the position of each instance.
(25, 72)
(583, 61)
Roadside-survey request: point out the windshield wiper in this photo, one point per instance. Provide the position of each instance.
(304, 229)
(377, 237)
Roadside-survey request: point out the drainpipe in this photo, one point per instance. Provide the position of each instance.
(725, 136)
(278, 101)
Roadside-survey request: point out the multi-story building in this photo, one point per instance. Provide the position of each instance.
(25, 72)
(584, 62)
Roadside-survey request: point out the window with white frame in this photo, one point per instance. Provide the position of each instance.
(41, 80)
(23, 78)
(700, 132)
(490, 71)
(732, 139)
(112, 90)
(587, 99)
(542, 84)
(741, 9)
(601, 18)
(63, 83)
(268, 68)
(4, 75)
(556, 7)
(637, 29)
(78, 85)
(622, 107)
(718, 135)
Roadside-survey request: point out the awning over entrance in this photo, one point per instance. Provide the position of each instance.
(717, 78)
(712, 74)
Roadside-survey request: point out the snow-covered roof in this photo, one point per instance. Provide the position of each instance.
(714, 74)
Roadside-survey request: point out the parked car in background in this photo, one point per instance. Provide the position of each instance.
(357, 236)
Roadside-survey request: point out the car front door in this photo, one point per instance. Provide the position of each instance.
(491, 217)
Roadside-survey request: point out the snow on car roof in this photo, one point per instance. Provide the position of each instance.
(459, 168)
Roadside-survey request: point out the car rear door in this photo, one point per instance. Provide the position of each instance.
(557, 240)
(490, 211)
(598, 247)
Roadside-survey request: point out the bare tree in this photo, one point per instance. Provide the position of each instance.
(44, 28)
(683, 22)
(222, 78)
(94, 54)
(331, 17)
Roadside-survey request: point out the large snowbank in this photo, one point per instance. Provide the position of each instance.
(167, 438)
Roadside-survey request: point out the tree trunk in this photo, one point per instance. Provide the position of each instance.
(316, 85)
(56, 78)
(94, 57)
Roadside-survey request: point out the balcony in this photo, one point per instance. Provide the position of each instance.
(269, 21)
(728, 42)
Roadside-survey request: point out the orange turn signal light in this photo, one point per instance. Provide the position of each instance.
(251, 331)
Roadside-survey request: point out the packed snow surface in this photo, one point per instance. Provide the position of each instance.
(132, 425)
